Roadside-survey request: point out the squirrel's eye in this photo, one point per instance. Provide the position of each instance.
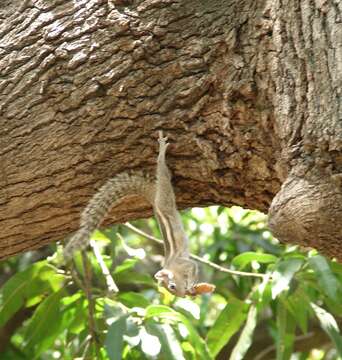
(172, 287)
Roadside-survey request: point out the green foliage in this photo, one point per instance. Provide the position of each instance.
(300, 293)
(330, 326)
(114, 340)
(27, 288)
(245, 339)
(242, 260)
(226, 325)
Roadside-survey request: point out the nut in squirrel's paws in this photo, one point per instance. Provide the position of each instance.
(202, 288)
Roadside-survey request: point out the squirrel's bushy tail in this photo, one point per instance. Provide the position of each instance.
(132, 183)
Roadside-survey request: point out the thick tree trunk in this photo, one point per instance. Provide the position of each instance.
(248, 93)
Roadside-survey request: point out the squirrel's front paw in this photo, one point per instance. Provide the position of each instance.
(163, 140)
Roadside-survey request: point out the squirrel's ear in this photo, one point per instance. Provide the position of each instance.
(162, 274)
(201, 288)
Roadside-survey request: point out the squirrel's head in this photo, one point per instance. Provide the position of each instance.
(173, 281)
(181, 283)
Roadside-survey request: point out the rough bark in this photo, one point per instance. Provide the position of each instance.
(248, 93)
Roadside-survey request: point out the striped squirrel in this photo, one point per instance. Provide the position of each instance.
(179, 274)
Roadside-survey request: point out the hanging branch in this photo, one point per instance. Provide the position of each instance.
(112, 287)
(91, 302)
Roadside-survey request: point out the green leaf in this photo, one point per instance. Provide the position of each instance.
(298, 307)
(246, 258)
(326, 278)
(76, 306)
(220, 210)
(286, 327)
(158, 310)
(245, 339)
(44, 326)
(132, 277)
(114, 338)
(131, 299)
(170, 346)
(27, 285)
(336, 268)
(226, 325)
(329, 325)
(132, 328)
(126, 265)
(113, 310)
(283, 274)
(164, 312)
(188, 307)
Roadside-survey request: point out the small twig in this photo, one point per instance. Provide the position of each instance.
(91, 302)
(195, 257)
(87, 343)
(76, 278)
(112, 287)
(228, 271)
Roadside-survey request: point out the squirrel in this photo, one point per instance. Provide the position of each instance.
(179, 273)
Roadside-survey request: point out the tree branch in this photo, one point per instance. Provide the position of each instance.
(112, 287)
(91, 303)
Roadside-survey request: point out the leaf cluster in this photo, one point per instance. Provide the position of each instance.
(299, 297)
